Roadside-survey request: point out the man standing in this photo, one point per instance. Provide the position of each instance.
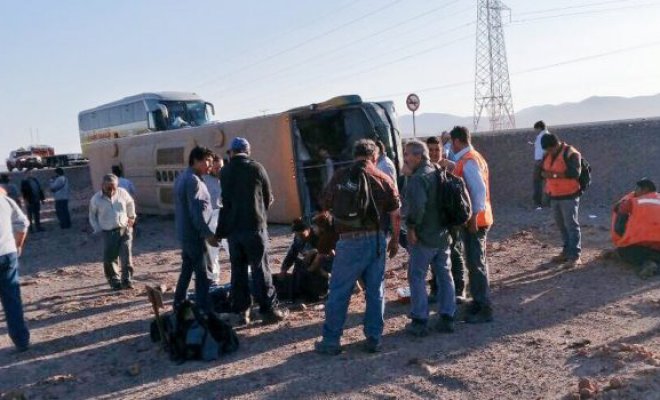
(212, 181)
(112, 213)
(561, 171)
(429, 243)
(356, 196)
(59, 185)
(541, 130)
(636, 228)
(11, 189)
(384, 163)
(34, 197)
(472, 167)
(192, 213)
(13, 230)
(436, 156)
(247, 196)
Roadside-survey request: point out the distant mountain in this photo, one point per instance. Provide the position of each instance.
(606, 108)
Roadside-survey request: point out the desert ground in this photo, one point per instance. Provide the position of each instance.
(553, 327)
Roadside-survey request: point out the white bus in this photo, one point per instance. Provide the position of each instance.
(142, 113)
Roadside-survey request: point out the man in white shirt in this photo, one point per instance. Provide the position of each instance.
(541, 130)
(112, 212)
(212, 181)
(13, 230)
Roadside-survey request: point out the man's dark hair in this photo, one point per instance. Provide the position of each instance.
(432, 140)
(216, 158)
(364, 148)
(647, 184)
(116, 169)
(59, 171)
(549, 140)
(381, 146)
(199, 153)
(539, 125)
(461, 133)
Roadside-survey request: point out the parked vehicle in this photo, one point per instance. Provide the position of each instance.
(288, 144)
(23, 159)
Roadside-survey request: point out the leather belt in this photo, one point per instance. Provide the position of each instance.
(357, 234)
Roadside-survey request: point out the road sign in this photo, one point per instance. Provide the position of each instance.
(412, 102)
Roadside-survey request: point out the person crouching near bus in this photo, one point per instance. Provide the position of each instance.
(360, 251)
(112, 213)
(635, 228)
(561, 171)
(429, 244)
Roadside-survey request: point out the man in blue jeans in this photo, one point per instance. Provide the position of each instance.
(356, 196)
(13, 230)
(429, 244)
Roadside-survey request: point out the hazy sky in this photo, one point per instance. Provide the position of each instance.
(250, 57)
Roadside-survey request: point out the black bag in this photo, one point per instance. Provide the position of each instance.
(194, 335)
(352, 200)
(455, 205)
(585, 172)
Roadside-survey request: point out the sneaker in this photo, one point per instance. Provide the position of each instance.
(23, 348)
(539, 208)
(559, 258)
(417, 328)
(485, 314)
(574, 263)
(115, 286)
(127, 285)
(326, 348)
(445, 324)
(648, 269)
(372, 345)
(275, 315)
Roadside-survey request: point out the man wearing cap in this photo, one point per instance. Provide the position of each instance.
(636, 228)
(112, 213)
(246, 197)
(192, 213)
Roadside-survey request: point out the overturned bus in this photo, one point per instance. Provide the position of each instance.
(294, 146)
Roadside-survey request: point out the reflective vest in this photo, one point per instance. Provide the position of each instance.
(485, 216)
(643, 226)
(560, 187)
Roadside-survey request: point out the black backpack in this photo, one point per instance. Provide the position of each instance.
(455, 205)
(352, 202)
(193, 335)
(585, 172)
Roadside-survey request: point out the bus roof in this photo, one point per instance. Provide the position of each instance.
(174, 96)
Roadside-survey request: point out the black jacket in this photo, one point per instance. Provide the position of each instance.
(246, 195)
(27, 192)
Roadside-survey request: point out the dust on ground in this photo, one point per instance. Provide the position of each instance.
(553, 327)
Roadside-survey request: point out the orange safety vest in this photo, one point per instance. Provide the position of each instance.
(559, 187)
(643, 226)
(484, 217)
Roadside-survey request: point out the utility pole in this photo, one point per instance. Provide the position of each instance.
(492, 89)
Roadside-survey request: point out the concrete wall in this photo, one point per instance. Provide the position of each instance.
(619, 152)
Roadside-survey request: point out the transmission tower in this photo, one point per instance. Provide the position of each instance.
(492, 90)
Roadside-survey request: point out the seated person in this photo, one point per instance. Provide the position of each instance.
(635, 228)
(310, 255)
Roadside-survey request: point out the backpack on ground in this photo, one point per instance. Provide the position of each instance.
(193, 335)
(352, 200)
(453, 198)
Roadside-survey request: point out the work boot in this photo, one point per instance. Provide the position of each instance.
(372, 345)
(648, 269)
(328, 349)
(445, 324)
(275, 315)
(485, 314)
(417, 328)
(559, 258)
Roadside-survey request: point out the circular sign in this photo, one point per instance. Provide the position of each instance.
(412, 102)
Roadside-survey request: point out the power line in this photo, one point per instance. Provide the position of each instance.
(600, 3)
(327, 53)
(300, 44)
(589, 12)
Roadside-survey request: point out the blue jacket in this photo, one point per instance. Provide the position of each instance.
(192, 209)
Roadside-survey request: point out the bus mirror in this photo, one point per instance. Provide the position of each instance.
(209, 105)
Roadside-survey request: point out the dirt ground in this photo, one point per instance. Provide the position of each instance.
(553, 327)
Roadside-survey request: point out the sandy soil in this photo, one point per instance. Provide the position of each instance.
(552, 328)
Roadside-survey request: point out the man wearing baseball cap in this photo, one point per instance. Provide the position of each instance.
(246, 197)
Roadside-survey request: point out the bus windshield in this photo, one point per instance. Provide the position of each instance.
(185, 113)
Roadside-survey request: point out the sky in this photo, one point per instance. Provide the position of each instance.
(252, 57)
